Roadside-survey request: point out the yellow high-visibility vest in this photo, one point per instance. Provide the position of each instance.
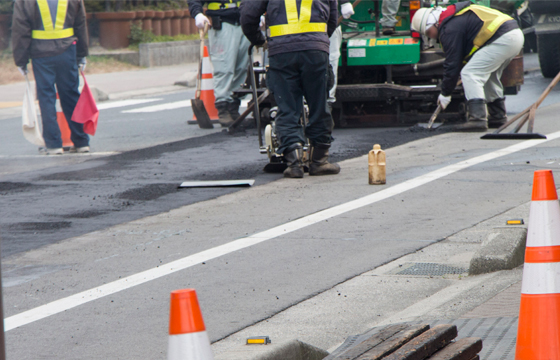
(56, 30)
(492, 19)
(224, 5)
(297, 25)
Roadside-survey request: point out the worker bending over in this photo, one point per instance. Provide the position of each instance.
(487, 40)
(298, 44)
(228, 53)
(52, 33)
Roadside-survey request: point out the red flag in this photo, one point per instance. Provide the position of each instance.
(86, 110)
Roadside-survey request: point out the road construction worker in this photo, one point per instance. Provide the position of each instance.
(346, 10)
(487, 40)
(53, 34)
(228, 53)
(389, 10)
(298, 44)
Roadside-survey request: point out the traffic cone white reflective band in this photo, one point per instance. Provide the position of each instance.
(538, 334)
(207, 84)
(57, 105)
(541, 279)
(206, 64)
(187, 334)
(193, 346)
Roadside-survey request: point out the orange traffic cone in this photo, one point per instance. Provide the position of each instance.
(538, 334)
(187, 334)
(63, 125)
(207, 87)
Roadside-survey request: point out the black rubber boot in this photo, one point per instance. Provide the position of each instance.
(233, 108)
(497, 115)
(294, 158)
(225, 118)
(388, 30)
(319, 161)
(477, 120)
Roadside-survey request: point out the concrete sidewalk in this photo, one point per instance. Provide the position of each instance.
(118, 85)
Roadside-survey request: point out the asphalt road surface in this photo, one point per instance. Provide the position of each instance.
(66, 221)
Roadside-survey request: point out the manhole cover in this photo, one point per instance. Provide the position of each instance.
(429, 269)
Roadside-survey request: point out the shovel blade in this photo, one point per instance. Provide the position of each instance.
(201, 114)
(510, 136)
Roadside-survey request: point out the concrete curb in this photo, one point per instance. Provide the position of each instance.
(293, 350)
(503, 250)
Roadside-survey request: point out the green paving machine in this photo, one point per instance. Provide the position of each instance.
(394, 80)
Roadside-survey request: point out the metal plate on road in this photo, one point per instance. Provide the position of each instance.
(216, 183)
(429, 269)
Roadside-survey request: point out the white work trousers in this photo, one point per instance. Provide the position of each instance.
(334, 57)
(481, 76)
(389, 10)
(228, 53)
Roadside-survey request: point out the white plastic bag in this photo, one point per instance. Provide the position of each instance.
(30, 122)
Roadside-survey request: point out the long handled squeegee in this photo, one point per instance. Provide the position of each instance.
(526, 116)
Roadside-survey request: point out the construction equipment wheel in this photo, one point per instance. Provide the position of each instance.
(549, 54)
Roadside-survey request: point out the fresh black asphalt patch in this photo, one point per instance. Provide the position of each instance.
(46, 206)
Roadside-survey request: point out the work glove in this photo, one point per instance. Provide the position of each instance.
(444, 101)
(23, 70)
(262, 23)
(347, 10)
(82, 64)
(201, 20)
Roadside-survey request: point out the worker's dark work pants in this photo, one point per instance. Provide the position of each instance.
(61, 70)
(290, 77)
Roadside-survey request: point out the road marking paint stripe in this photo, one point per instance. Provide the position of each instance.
(160, 107)
(123, 103)
(541, 278)
(169, 106)
(84, 297)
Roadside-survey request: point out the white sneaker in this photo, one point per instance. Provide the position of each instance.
(58, 151)
(79, 150)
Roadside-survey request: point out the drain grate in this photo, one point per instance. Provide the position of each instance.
(430, 269)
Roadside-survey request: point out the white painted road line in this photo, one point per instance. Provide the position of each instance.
(123, 103)
(168, 106)
(84, 297)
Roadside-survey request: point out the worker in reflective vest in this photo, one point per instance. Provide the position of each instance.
(484, 39)
(228, 53)
(298, 44)
(52, 33)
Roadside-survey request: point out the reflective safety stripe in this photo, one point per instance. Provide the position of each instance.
(207, 84)
(541, 278)
(544, 227)
(53, 34)
(220, 6)
(297, 25)
(56, 30)
(542, 254)
(492, 19)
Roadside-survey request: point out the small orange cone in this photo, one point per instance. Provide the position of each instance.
(63, 125)
(207, 87)
(538, 334)
(187, 334)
